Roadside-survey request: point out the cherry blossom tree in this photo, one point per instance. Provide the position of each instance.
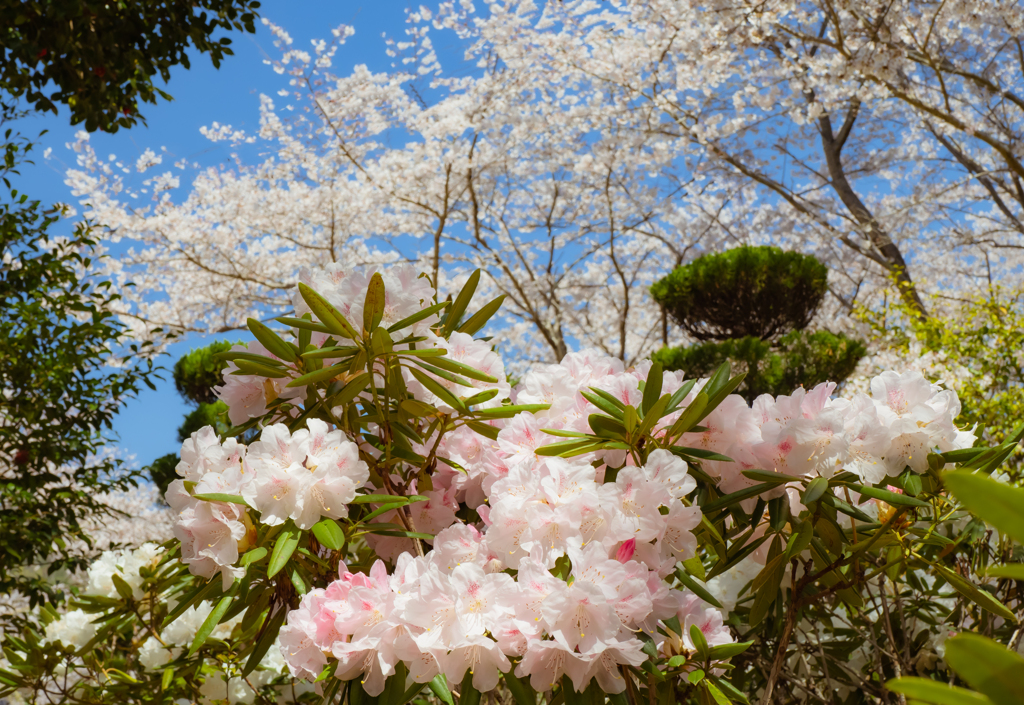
(578, 151)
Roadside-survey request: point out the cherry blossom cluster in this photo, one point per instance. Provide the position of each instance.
(302, 476)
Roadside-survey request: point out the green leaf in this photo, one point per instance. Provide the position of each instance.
(303, 324)
(167, 678)
(461, 303)
(737, 497)
(1014, 571)
(726, 651)
(435, 387)
(250, 557)
(322, 375)
(696, 588)
(699, 642)
(387, 499)
(613, 407)
(220, 497)
(690, 416)
(974, 594)
(212, 620)
(271, 341)
(934, 692)
(286, 543)
(417, 317)
(695, 567)
(652, 388)
(328, 315)
(508, 411)
(267, 637)
(892, 498)
(996, 503)
(481, 397)
(254, 368)
(351, 390)
(123, 588)
(988, 667)
(446, 363)
(815, 489)
(468, 695)
(439, 687)
(520, 689)
(479, 319)
(329, 534)
(199, 594)
(373, 304)
(776, 478)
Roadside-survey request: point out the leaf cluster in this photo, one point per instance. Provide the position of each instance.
(799, 358)
(58, 337)
(100, 58)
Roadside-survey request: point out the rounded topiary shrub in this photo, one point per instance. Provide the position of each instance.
(759, 292)
(799, 358)
(196, 374)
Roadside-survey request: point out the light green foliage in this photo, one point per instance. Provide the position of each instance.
(980, 343)
(198, 372)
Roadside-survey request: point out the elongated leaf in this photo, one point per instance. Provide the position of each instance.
(439, 687)
(254, 368)
(974, 594)
(479, 319)
(315, 376)
(351, 390)
(328, 315)
(123, 588)
(443, 374)
(250, 557)
(521, 690)
(233, 355)
(373, 304)
(266, 640)
(652, 387)
(303, 324)
(272, 341)
(777, 478)
(892, 498)
(925, 690)
(696, 588)
(199, 594)
(508, 411)
(988, 667)
(334, 351)
(653, 415)
(613, 410)
(737, 497)
(439, 391)
(1014, 571)
(446, 363)
(690, 416)
(212, 620)
(815, 489)
(481, 397)
(461, 303)
(417, 317)
(329, 534)
(286, 543)
(220, 497)
(996, 503)
(725, 651)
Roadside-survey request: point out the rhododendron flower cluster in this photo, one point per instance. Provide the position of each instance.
(535, 531)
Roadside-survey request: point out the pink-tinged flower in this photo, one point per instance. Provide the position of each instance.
(580, 616)
(603, 663)
(481, 656)
(304, 656)
(203, 452)
(676, 540)
(366, 659)
(666, 469)
(546, 662)
(635, 501)
(514, 635)
(520, 439)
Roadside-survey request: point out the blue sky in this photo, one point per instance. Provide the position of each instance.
(147, 427)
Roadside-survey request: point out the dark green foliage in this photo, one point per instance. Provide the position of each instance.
(799, 359)
(204, 415)
(58, 397)
(196, 374)
(99, 58)
(162, 471)
(748, 291)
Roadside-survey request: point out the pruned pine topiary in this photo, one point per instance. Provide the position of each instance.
(800, 358)
(761, 292)
(198, 372)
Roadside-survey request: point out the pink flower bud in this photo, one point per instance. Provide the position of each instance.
(626, 551)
